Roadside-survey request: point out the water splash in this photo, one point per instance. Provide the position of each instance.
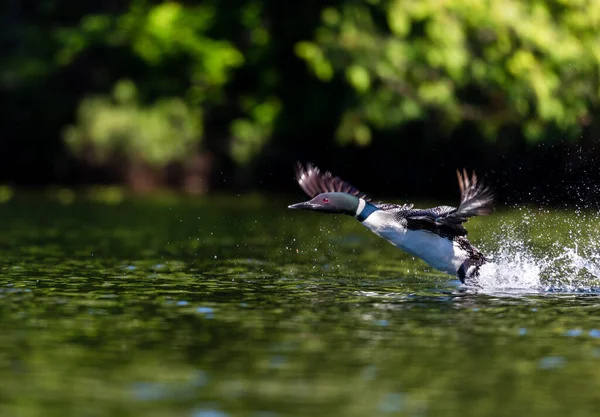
(564, 257)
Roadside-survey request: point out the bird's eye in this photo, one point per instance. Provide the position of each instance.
(325, 200)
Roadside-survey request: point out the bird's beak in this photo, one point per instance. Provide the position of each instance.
(305, 205)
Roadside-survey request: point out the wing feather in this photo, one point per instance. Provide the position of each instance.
(475, 200)
(314, 182)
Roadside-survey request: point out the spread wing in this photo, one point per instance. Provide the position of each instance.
(475, 200)
(315, 182)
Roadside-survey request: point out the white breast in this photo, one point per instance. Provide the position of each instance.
(438, 252)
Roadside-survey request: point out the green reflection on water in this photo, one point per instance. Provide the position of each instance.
(238, 307)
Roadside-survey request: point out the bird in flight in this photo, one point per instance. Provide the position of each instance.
(436, 235)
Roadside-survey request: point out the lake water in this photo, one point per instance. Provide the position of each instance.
(239, 307)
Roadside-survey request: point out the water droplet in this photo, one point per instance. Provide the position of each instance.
(392, 403)
(551, 362)
(595, 333)
(369, 373)
(208, 413)
(276, 362)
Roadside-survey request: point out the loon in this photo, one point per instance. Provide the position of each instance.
(436, 235)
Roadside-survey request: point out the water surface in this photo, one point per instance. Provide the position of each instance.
(237, 307)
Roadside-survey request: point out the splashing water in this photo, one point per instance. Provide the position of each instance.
(520, 262)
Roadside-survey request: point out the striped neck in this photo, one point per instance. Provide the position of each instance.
(364, 210)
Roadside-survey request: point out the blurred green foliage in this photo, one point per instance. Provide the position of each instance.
(496, 63)
(161, 35)
(156, 34)
(245, 75)
(250, 133)
(119, 126)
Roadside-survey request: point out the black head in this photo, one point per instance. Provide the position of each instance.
(332, 203)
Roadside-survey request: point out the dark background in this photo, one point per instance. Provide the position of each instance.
(40, 91)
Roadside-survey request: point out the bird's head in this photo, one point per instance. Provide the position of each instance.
(331, 203)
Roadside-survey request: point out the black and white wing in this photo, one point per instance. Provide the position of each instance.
(475, 200)
(314, 182)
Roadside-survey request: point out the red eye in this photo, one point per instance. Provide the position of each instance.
(325, 200)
